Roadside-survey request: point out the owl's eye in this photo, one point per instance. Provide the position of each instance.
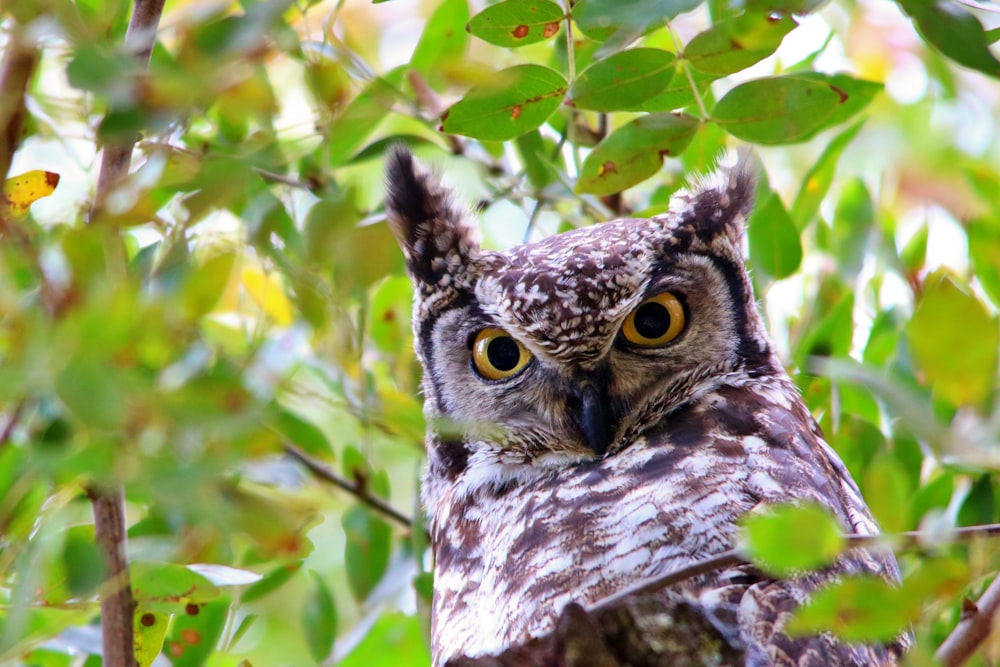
(656, 321)
(497, 356)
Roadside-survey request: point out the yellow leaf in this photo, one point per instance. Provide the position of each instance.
(24, 190)
(266, 291)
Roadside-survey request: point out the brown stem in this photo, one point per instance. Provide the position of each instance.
(324, 473)
(117, 604)
(139, 41)
(976, 625)
(19, 61)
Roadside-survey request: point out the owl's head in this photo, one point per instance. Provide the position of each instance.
(577, 346)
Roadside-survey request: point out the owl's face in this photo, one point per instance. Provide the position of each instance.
(573, 347)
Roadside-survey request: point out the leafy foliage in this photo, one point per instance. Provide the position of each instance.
(239, 291)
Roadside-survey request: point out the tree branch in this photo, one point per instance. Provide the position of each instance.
(323, 472)
(19, 62)
(976, 625)
(117, 604)
(139, 41)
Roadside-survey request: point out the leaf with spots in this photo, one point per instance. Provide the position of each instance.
(150, 630)
(787, 539)
(517, 22)
(635, 152)
(517, 100)
(623, 80)
(24, 190)
(737, 43)
(793, 108)
(168, 587)
(195, 633)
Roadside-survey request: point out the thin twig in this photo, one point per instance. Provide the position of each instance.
(19, 62)
(323, 472)
(976, 625)
(117, 603)
(139, 41)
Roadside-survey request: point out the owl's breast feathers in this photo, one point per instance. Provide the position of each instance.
(509, 559)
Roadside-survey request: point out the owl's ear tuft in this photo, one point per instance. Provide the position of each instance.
(721, 204)
(439, 243)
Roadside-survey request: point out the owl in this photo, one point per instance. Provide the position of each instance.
(604, 405)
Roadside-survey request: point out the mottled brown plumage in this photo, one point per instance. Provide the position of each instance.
(602, 461)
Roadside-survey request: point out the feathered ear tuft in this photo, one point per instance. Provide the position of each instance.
(439, 243)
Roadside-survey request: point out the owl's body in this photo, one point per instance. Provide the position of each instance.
(605, 405)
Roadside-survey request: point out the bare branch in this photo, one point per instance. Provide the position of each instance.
(19, 62)
(117, 604)
(139, 41)
(976, 625)
(323, 472)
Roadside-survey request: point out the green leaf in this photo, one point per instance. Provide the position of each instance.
(195, 633)
(677, 94)
(853, 220)
(205, 285)
(984, 250)
(389, 314)
(775, 246)
(600, 19)
(817, 181)
(792, 108)
(169, 588)
(352, 126)
(515, 23)
(394, 634)
(734, 44)
(302, 433)
(888, 492)
(444, 39)
(150, 630)
(319, 619)
(954, 341)
(788, 539)
(955, 32)
(857, 609)
(272, 581)
(84, 563)
(635, 152)
(369, 539)
(913, 256)
(623, 81)
(516, 100)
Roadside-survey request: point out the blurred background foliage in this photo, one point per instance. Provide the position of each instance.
(239, 294)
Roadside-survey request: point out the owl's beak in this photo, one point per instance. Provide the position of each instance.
(593, 419)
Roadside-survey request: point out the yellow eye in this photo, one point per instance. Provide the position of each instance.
(656, 321)
(497, 356)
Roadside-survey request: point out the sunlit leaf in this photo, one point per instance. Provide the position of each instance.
(444, 38)
(517, 22)
(634, 152)
(984, 250)
(168, 587)
(855, 609)
(268, 293)
(513, 102)
(24, 190)
(150, 630)
(955, 342)
(789, 539)
(737, 43)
